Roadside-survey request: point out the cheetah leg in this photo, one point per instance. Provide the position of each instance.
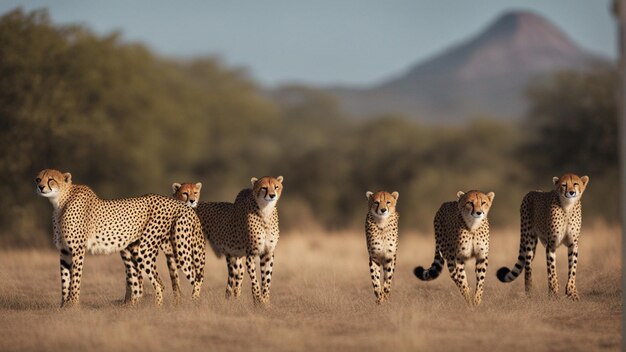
(76, 272)
(375, 275)
(132, 273)
(197, 261)
(531, 249)
(148, 265)
(231, 264)
(572, 257)
(66, 267)
(172, 267)
(457, 272)
(388, 268)
(553, 282)
(251, 266)
(267, 264)
(481, 272)
(239, 271)
(137, 277)
(185, 262)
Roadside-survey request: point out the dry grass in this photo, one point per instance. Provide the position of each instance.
(321, 300)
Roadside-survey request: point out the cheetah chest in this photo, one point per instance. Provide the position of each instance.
(264, 235)
(382, 243)
(472, 245)
(562, 226)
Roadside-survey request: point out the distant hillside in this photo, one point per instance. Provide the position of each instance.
(485, 75)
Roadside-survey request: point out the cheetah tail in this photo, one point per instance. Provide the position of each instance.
(506, 275)
(434, 270)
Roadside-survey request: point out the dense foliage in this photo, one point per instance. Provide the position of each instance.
(127, 122)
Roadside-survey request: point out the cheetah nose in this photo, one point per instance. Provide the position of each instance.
(571, 193)
(272, 196)
(479, 213)
(192, 200)
(383, 210)
(41, 188)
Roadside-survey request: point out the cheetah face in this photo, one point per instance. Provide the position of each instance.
(267, 189)
(382, 204)
(50, 183)
(188, 193)
(474, 207)
(570, 187)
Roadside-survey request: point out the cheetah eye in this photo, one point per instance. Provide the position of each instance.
(575, 184)
(377, 203)
(388, 203)
(264, 188)
(37, 180)
(275, 187)
(564, 185)
(185, 194)
(483, 203)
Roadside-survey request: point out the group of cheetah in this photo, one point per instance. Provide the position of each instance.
(248, 229)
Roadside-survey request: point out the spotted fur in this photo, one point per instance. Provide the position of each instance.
(555, 219)
(245, 229)
(381, 232)
(461, 233)
(136, 227)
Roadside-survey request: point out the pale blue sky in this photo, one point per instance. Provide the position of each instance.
(321, 42)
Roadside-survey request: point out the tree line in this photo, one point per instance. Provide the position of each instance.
(127, 122)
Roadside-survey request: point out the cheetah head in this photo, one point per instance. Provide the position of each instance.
(267, 190)
(52, 183)
(188, 193)
(570, 187)
(474, 207)
(382, 204)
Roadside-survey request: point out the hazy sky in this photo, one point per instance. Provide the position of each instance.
(322, 41)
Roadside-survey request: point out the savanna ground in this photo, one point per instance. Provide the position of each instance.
(322, 300)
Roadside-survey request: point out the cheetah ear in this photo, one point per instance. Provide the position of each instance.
(555, 180)
(280, 179)
(395, 195)
(369, 194)
(199, 186)
(459, 194)
(491, 196)
(175, 187)
(68, 177)
(585, 180)
(253, 181)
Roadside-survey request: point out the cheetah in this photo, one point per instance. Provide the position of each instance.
(555, 218)
(461, 233)
(191, 195)
(136, 227)
(381, 232)
(246, 228)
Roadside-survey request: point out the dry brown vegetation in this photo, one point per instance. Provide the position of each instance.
(321, 300)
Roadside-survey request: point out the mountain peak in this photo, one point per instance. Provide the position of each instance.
(528, 29)
(484, 75)
(518, 20)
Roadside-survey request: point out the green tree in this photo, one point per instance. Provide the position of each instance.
(572, 127)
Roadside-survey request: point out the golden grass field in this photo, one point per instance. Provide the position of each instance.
(322, 300)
